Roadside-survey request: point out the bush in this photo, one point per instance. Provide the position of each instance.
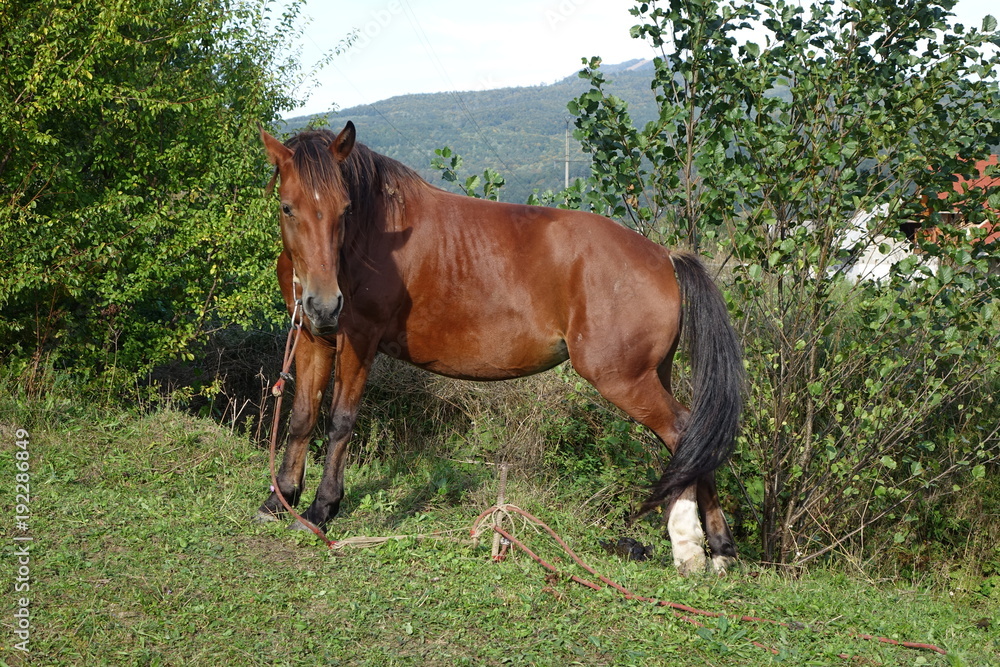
(131, 215)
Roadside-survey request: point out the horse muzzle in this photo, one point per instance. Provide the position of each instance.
(324, 315)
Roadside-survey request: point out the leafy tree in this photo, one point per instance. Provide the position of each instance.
(131, 220)
(448, 163)
(789, 159)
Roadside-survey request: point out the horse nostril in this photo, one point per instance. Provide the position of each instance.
(321, 310)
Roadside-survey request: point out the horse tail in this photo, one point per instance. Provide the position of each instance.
(708, 436)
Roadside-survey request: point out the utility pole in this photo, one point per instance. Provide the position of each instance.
(567, 154)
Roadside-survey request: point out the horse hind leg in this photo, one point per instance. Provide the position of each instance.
(647, 400)
(687, 538)
(702, 497)
(696, 521)
(720, 538)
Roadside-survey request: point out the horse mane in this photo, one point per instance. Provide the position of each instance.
(369, 178)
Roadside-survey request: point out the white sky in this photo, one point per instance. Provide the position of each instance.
(427, 46)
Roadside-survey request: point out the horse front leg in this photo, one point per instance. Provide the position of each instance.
(354, 359)
(313, 364)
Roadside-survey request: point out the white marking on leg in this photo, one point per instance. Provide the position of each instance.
(686, 535)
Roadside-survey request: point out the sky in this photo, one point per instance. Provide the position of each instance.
(429, 46)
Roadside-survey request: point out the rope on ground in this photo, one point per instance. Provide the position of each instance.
(681, 611)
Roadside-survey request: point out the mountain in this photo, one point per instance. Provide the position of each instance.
(520, 132)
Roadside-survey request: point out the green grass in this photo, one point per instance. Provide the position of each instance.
(144, 554)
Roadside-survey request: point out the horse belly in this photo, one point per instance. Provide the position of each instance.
(489, 350)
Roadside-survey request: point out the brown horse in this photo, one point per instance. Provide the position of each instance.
(479, 290)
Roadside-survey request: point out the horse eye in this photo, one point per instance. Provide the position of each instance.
(286, 209)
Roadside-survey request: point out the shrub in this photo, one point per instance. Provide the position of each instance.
(131, 219)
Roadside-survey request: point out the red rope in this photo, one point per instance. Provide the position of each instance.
(629, 595)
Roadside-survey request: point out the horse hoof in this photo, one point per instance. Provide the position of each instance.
(263, 516)
(691, 567)
(721, 564)
(298, 525)
(693, 564)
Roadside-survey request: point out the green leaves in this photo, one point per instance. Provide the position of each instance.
(448, 163)
(131, 220)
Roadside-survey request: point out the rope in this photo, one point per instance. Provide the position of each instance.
(478, 529)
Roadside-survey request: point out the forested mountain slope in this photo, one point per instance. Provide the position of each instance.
(520, 132)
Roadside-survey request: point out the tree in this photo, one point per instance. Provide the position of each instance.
(131, 220)
(788, 159)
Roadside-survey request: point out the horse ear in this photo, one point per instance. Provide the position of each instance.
(344, 143)
(277, 152)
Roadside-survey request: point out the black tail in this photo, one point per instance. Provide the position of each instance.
(717, 380)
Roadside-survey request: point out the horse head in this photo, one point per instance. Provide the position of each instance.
(314, 200)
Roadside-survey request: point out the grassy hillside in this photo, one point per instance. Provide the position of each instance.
(143, 553)
(520, 132)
